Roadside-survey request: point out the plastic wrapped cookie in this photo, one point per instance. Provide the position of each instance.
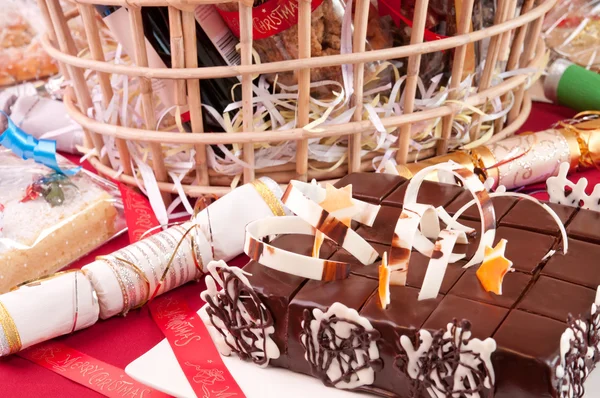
(49, 220)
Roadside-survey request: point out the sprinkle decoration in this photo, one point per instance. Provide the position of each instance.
(494, 267)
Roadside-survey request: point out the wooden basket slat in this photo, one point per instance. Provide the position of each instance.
(148, 113)
(517, 45)
(304, 52)
(246, 60)
(290, 65)
(51, 34)
(458, 65)
(194, 98)
(504, 51)
(534, 31)
(292, 134)
(490, 63)
(412, 77)
(359, 44)
(88, 13)
(67, 45)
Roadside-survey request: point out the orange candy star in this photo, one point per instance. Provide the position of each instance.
(336, 201)
(494, 267)
(384, 282)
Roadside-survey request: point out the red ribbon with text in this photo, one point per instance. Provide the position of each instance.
(268, 19)
(90, 372)
(138, 213)
(195, 351)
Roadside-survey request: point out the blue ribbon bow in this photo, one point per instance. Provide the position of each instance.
(28, 147)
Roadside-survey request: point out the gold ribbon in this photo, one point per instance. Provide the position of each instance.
(10, 330)
(197, 263)
(135, 269)
(38, 281)
(269, 197)
(584, 133)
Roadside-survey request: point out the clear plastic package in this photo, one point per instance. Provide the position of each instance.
(21, 56)
(572, 31)
(48, 220)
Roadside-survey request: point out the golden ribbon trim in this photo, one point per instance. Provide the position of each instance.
(38, 281)
(583, 131)
(135, 269)
(269, 197)
(197, 263)
(10, 330)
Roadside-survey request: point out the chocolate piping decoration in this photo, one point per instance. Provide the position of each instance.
(344, 350)
(577, 366)
(440, 362)
(226, 309)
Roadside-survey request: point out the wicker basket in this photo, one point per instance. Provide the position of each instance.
(519, 37)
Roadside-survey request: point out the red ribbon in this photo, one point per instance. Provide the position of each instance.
(194, 348)
(268, 19)
(90, 372)
(392, 8)
(138, 213)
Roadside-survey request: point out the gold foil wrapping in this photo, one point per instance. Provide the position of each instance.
(526, 158)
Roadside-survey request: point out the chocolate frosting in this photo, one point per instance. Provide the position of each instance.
(501, 205)
(526, 321)
(431, 193)
(528, 215)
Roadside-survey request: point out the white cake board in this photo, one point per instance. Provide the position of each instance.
(159, 369)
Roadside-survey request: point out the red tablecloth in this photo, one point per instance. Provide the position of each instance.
(118, 341)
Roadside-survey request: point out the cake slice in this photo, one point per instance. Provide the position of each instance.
(539, 338)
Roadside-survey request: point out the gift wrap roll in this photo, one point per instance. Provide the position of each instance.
(128, 278)
(525, 158)
(45, 309)
(224, 222)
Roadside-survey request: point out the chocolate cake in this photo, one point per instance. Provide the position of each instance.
(539, 338)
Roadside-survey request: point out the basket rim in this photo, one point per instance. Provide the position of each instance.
(291, 65)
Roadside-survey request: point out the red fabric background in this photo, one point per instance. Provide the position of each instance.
(119, 340)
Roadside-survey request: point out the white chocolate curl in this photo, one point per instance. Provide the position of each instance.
(408, 235)
(471, 182)
(299, 202)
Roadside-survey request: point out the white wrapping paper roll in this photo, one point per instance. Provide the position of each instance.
(43, 310)
(128, 277)
(223, 223)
